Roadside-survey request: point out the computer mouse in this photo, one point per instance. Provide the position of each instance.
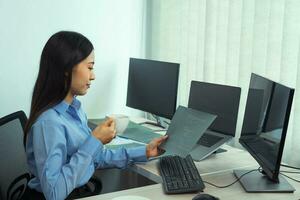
(203, 196)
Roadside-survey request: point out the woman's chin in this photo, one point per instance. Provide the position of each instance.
(81, 93)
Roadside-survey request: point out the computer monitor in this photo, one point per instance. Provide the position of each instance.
(221, 100)
(152, 86)
(263, 134)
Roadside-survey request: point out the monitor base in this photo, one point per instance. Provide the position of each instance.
(160, 122)
(257, 182)
(220, 150)
(153, 124)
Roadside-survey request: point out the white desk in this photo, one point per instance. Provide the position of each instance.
(222, 164)
(235, 192)
(217, 169)
(233, 158)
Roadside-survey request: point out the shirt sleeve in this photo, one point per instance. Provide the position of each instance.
(58, 174)
(121, 157)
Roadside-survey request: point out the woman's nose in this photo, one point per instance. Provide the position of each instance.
(92, 76)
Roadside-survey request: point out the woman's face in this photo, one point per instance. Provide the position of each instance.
(82, 75)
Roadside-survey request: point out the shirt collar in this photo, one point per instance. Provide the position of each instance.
(63, 105)
(76, 103)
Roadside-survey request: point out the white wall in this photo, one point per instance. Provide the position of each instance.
(115, 27)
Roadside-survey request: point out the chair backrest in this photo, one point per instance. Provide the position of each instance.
(13, 168)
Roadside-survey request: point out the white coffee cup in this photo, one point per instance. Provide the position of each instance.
(121, 122)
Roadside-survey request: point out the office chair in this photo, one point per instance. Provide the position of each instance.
(14, 174)
(93, 187)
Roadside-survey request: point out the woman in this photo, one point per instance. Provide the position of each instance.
(62, 152)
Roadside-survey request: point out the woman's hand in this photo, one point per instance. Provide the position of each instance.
(152, 149)
(106, 131)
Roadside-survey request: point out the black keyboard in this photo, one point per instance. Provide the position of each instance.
(180, 175)
(208, 140)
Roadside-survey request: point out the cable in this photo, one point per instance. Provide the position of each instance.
(225, 186)
(291, 172)
(288, 166)
(298, 181)
(260, 170)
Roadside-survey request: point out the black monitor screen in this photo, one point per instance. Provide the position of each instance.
(265, 122)
(221, 100)
(152, 86)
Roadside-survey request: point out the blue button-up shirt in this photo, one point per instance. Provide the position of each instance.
(62, 153)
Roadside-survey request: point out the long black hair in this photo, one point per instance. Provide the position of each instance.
(61, 53)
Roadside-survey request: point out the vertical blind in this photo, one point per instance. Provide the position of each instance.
(223, 41)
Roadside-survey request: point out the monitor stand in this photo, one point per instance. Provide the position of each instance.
(257, 182)
(153, 124)
(158, 123)
(220, 150)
